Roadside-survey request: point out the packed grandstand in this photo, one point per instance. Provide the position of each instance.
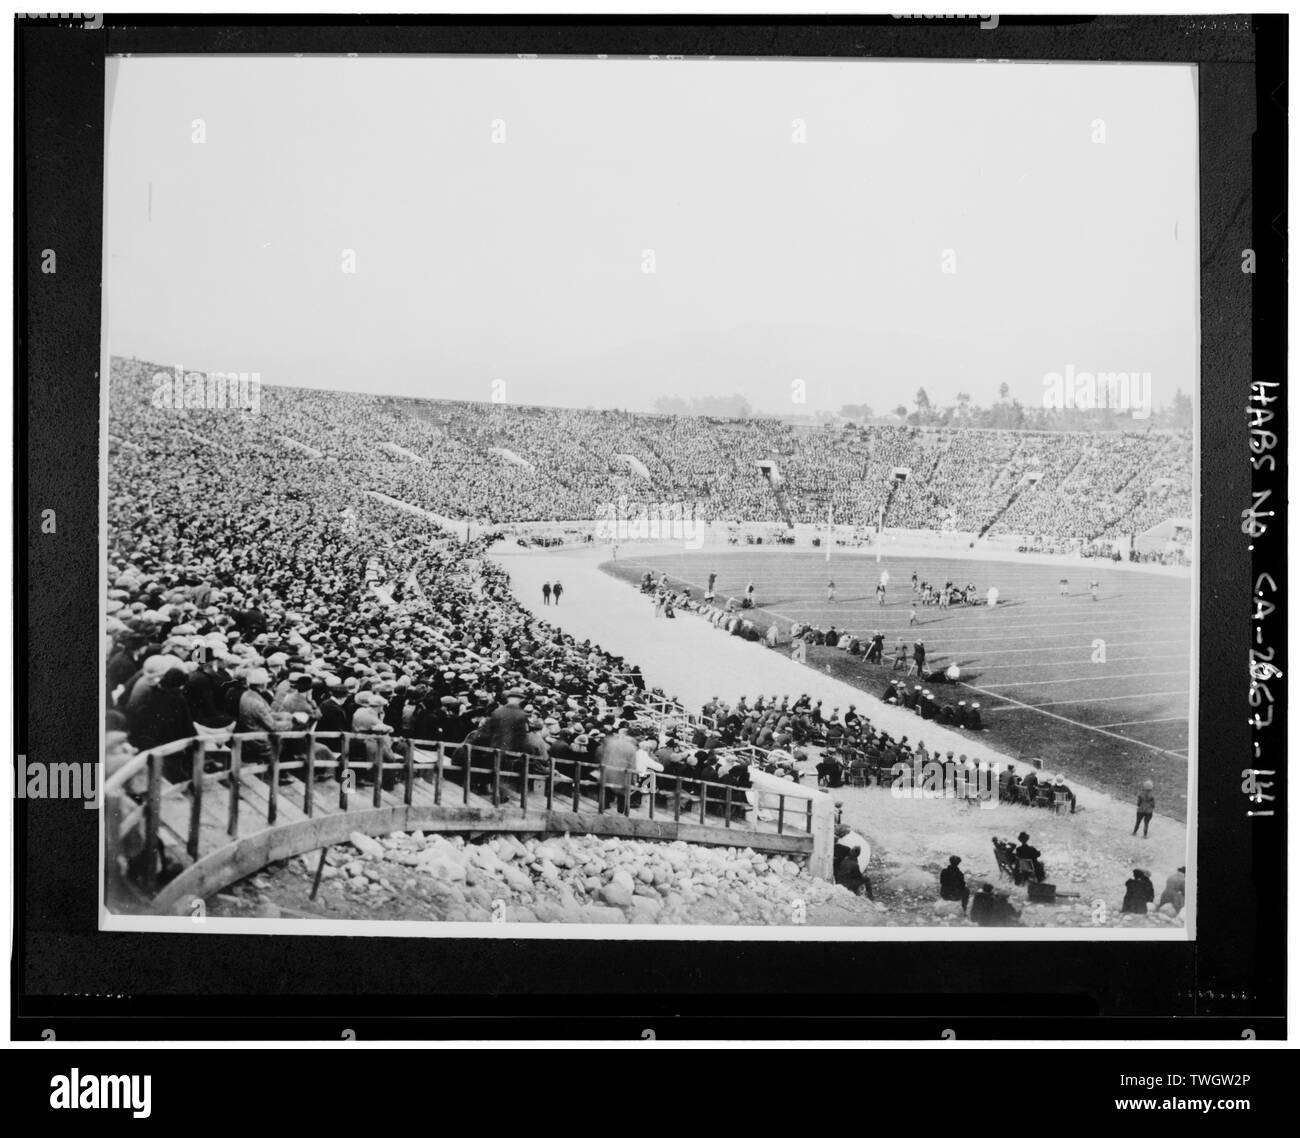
(501, 463)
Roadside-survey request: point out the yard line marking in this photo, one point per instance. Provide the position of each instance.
(956, 634)
(1072, 722)
(1065, 663)
(1095, 699)
(1132, 722)
(1094, 678)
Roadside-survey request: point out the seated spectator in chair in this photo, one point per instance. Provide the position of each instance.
(952, 883)
(1026, 852)
(1008, 780)
(1060, 787)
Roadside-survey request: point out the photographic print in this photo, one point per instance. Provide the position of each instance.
(650, 497)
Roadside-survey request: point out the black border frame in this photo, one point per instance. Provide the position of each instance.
(84, 984)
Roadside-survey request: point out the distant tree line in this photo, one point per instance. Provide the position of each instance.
(1005, 414)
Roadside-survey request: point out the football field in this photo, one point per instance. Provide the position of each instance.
(1098, 687)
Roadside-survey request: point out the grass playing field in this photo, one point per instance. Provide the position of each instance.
(1098, 689)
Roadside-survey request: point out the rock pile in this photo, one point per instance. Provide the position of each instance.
(579, 879)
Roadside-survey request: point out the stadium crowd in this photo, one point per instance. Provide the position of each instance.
(496, 463)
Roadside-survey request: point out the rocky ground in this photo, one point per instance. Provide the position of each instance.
(590, 880)
(576, 879)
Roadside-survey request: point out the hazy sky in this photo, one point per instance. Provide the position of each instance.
(522, 260)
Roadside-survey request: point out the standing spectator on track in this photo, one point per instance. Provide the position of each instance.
(546, 592)
(918, 659)
(556, 590)
(1146, 806)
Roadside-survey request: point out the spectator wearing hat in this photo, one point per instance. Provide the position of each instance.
(255, 715)
(617, 756)
(850, 857)
(158, 713)
(952, 883)
(333, 717)
(1138, 893)
(1008, 780)
(125, 662)
(369, 744)
(508, 724)
(1175, 891)
(1026, 852)
(992, 910)
(203, 690)
(1059, 786)
(1146, 806)
(152, 670)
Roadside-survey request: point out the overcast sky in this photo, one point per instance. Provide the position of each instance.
(523, 260)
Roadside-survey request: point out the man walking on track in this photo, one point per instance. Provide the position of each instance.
(830, 590)
(557, 589)
(1146, 806)
(546, 592)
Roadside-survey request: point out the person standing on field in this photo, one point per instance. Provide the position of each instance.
(556, 590)
(546, 592)
(1146, 806)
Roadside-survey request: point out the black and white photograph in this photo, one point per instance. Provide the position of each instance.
(650, 497)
